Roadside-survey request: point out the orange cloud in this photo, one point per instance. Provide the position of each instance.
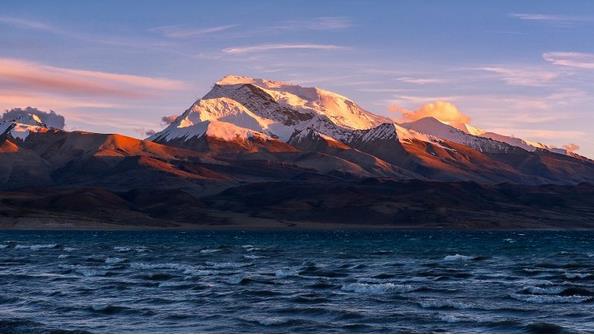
(571, 147)
(16, 73)
(441, 110)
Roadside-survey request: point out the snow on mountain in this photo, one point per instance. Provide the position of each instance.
(274, 108)
(21, 126)
(434, 127)
(279, 110)
(526, 145)
(395, 132)
(306, 101)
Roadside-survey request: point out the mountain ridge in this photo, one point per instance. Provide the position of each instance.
(284, 156)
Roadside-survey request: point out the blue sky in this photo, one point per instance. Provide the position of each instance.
(523, 68)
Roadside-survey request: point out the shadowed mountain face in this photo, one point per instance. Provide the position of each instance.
(264, 153)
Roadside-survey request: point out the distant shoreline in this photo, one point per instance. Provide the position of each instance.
(272, 227)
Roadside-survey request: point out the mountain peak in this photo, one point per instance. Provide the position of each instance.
(238, 80)
(21, 126)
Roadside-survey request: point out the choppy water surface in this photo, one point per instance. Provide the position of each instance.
(356, 281)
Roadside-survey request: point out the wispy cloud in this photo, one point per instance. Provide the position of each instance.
(542, 134)
(188, 32)
(11, 99)
(551, 18)
(420, 81)
(27, 24)
(318, 23)
(521, 76)
(45, 78)
(272, 47)
(578, 60)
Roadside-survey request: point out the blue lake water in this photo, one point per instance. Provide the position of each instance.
(316, 281)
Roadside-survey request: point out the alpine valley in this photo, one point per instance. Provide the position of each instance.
(255, 153)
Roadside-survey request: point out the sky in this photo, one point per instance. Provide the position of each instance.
(522, 68)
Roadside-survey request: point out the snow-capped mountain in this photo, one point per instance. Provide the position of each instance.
(21, 126)
(270, 107)
(322, 130)
(239, 108)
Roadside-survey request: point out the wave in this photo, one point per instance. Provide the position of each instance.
(549, 299)
(369, 288)
(444, 304)
(457, 257)
(186, 269)
(283, 273)
(128, 248)
(36, 247)
(540, 290)
(252, 256)
(115, 260)
(544, 328)
(227, 265)
(210, 251)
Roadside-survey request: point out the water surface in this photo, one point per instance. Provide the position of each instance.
(317, 281)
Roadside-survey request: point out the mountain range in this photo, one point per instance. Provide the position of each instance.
(256, 152)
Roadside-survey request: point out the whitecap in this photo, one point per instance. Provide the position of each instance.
(453, 318)
(209, 251)
(35, 247)
(575, 275)
(86, 272)
(283, 273)
(369, 288)
(227, 265)
(122, 249)
(542, 290)
(549, 299)
(69, 249)
(457, 257)
(3, 246)
(62, 256)
(444, 303)
(235, 279)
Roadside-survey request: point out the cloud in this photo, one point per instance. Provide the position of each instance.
(318, 23)
(571, 147)
(541, 134)
(271, 47)
(551, 18)
(26, 24)
(10, 99)
(521, 77)
(420, 81)
(51, 119)
(187, 32)
(441, 110)
(578, 60)
(34, 76)
(150, 132)
(168, 119)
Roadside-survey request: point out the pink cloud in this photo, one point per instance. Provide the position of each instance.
(44, 78)
(571, 147)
